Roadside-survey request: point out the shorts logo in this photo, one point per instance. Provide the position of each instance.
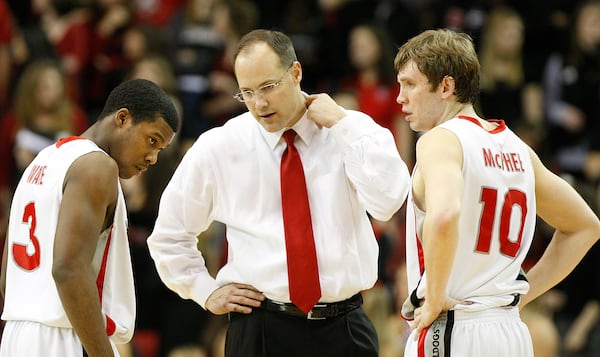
(435, 343)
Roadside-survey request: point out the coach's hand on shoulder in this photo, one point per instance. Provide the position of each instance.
(323, 110)
(234, 298)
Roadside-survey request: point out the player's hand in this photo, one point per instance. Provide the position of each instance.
(427, 313)
(323, 110)
(234, 298)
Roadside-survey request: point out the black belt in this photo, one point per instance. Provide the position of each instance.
(320, 311)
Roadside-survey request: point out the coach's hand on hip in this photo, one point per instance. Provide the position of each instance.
(234, 298)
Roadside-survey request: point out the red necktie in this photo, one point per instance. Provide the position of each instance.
(303, 272)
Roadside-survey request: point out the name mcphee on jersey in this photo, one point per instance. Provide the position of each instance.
(507, 161)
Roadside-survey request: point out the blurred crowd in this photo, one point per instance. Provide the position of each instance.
(540, 65)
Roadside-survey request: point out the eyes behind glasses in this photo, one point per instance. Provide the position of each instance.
(248, 95)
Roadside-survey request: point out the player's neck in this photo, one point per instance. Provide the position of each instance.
(94, 133)
(461, 109)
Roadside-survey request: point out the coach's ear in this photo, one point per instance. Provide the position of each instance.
(296, 71)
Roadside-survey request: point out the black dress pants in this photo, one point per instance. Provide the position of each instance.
(275, 334)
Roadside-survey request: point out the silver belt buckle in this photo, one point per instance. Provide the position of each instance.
(310, 313)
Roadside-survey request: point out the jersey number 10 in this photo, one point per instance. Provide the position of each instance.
(489, 197)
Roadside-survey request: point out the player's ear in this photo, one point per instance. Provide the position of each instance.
(122, 117)
(448, 85)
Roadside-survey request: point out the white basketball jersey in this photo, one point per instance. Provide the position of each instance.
(31, 293)
(497, 220)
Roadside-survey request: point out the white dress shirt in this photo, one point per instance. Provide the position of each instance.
(231, 175)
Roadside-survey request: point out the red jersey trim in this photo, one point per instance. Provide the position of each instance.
(500, 128)
(421, 343)
(110, 324)
(62, 141)
(421, 253)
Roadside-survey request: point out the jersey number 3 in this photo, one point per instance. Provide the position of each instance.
(512, 198)
(19, 251)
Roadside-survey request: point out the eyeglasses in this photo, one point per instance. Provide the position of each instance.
(248, 95)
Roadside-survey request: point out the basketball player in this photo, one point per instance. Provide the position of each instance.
(476, 189)
(66, 270)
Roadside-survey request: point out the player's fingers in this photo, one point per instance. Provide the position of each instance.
(450, 303)
(420, 328)
(417, 320)
(417, 314)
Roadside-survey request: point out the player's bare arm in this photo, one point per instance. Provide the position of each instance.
(439, 184)
(577, 229)
(89, 198)
(234, 298)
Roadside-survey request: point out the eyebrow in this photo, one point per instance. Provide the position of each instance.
(270, 81)
(160, 136)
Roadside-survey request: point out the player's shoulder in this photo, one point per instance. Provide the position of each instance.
(96, 167)
(439, 135)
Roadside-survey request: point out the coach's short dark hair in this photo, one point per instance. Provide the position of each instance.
(278, 41)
